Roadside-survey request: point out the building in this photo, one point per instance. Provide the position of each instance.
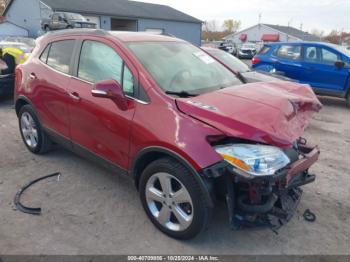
(9, 29)
(119, 15)
(262, 33)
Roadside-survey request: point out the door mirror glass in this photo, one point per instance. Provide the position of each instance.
(113, 90)
(339, 64)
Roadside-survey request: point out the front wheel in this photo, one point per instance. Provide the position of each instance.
(173, 199)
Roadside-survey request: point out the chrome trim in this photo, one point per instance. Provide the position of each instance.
(98, 92)
(53, 69)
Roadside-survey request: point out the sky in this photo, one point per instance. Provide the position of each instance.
(323, 15)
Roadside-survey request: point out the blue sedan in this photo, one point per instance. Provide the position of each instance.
(325, 67)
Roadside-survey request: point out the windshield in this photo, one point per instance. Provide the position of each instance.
(182, 67)
(72, 16)
(229, 60)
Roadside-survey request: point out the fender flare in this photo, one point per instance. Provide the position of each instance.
(203, 183)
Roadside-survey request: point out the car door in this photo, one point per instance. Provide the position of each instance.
(49, 78)
(311, 61)
(55, 23)
(97, 124)
(332, 77)
(287, 60)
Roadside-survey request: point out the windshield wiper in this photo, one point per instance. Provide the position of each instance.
(182, 94)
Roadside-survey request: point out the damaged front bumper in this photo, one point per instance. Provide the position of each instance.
(266, 201)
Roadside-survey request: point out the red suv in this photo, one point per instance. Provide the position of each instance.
(165, 113)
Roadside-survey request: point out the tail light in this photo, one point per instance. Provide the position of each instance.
(255, 60)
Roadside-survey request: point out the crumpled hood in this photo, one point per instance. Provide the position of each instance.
(274, 113)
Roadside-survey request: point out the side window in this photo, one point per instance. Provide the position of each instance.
(264, 50)
(311, 54)
(128, 81)
(99, 62)
(60, 55)
(328, 57)
(55, 17)
(45, 54)
(292, 52)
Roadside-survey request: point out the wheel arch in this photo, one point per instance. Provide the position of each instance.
(20, 102)
(150, 154)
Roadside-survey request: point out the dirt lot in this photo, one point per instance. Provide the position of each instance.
(92, 211)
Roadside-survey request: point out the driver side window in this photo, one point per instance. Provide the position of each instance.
(100, 62)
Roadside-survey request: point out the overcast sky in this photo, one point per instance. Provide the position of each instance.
(320, 14)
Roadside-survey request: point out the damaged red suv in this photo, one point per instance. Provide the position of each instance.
(163, 112)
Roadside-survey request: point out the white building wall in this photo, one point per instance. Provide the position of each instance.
(255, 33)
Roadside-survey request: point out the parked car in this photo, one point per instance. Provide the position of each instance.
(247, 51)
(325, 67)
(63, 20)
(25, 40)
(21, 46)
(228, 47)
(171, 117)
(242, 70)
(6, 80)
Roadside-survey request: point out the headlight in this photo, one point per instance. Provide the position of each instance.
(254, 160)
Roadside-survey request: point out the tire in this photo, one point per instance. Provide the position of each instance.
(69, 27)
(46, 28)
(195, 212)
(348, 99)
(32, 133)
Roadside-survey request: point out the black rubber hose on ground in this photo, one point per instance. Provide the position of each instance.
(30, 210)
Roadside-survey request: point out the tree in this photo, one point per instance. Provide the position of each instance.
(317, 32)
(231, 26)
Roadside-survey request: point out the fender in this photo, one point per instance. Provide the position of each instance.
(204, 185)
(26, 100)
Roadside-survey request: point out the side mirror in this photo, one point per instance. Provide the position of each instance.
(113, 90)
(339, 64)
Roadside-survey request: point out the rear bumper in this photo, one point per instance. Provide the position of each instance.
(267, 201)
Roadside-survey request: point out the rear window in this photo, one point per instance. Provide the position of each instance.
(60, 55)
(264, 50)
(292, 52)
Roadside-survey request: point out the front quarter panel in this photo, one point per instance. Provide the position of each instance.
(160, 124)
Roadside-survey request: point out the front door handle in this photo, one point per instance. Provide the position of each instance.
(75, 96)
(33, 76)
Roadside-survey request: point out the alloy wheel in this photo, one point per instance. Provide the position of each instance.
(169, 202)
(29, 130)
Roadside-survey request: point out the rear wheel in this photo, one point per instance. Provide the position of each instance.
(348, 98)
(173, 199)
(33, 135)
(46, 28)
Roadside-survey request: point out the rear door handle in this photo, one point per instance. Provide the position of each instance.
(75, 96)
(33, 76)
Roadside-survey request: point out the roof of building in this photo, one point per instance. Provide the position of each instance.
(305, 36)
(119, 8)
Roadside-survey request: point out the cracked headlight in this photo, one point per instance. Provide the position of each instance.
(254, 160)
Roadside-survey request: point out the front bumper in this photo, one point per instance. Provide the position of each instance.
(266, 201)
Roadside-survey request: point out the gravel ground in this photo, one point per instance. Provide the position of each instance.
(92, 211)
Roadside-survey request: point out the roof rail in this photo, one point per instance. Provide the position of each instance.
(99, 32)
